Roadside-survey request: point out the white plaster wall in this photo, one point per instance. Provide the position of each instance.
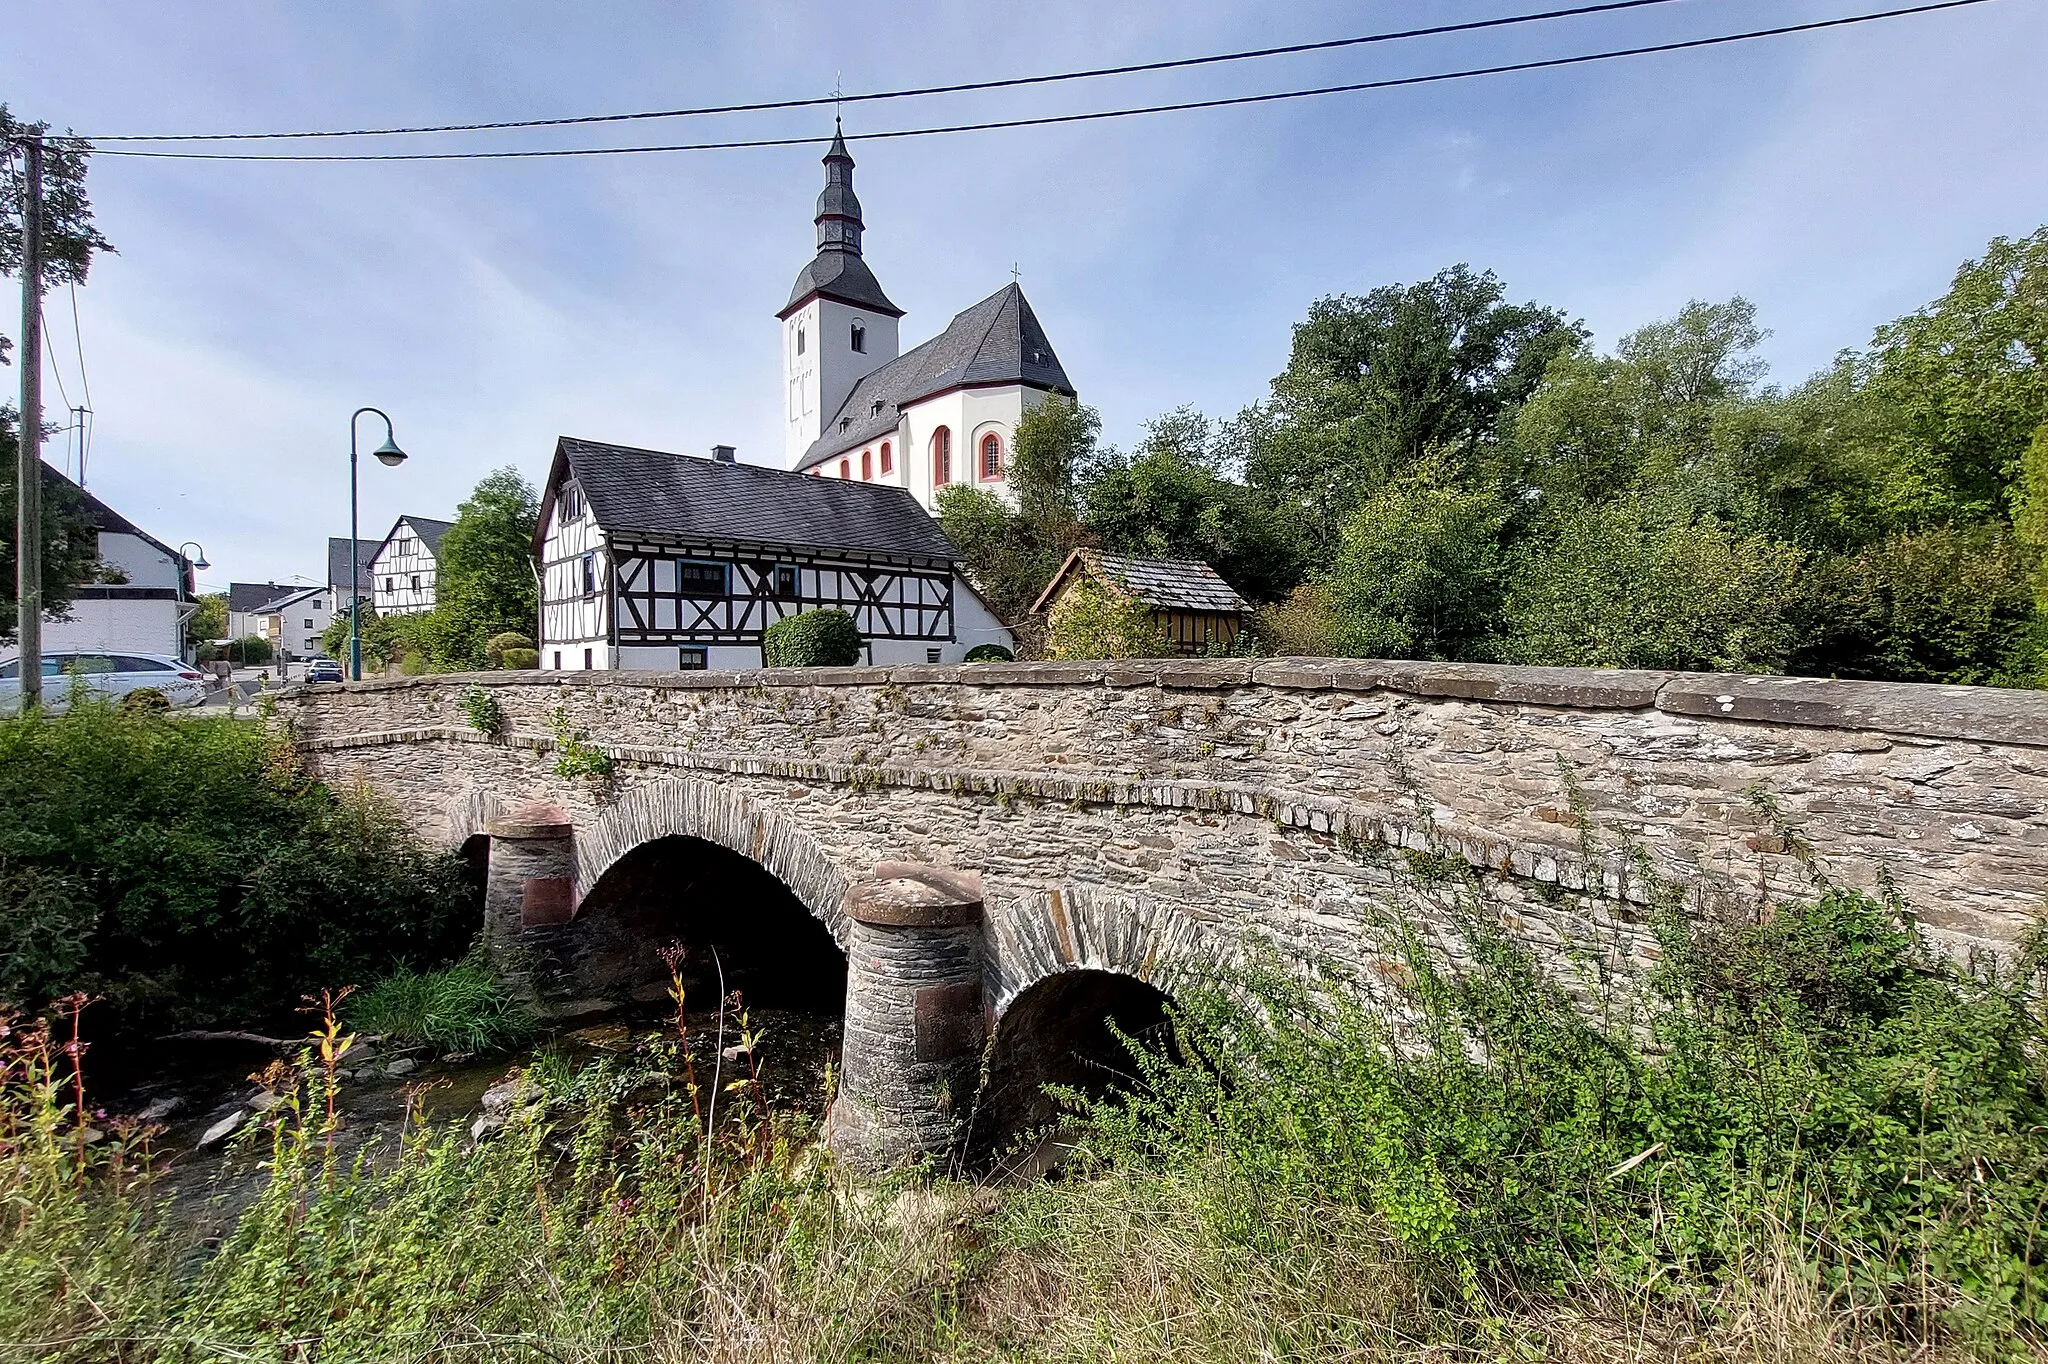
(300, 625)
(149, 627)
(816, 382)
(144, 563)
(570, 621)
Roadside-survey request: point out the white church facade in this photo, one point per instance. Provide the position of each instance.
(858, 408)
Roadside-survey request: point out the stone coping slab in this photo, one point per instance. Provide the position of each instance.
(1927, 710)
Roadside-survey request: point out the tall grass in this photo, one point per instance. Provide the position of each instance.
(1807, 1139)
(462, 1008)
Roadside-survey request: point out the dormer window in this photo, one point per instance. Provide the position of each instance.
(568, 504)
(875, 408)
(860, 339)
(846, 423)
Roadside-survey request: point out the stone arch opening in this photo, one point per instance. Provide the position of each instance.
(1063, 1030)
(728, 913)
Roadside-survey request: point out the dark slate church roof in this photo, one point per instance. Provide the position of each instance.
(841, 275)
(657, 493)
(997, 341)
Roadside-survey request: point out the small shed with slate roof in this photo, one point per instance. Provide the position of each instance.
(1194, 608)
(650, 559)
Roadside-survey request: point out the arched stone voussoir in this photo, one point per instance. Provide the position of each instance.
(1034, 935)
(687, 808)
(470, 814)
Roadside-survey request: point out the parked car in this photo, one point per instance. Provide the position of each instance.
(113, 677)
(323, 670)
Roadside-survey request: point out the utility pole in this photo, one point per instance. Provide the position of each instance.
(28, 484)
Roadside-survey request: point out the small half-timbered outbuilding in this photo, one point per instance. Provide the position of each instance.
(649, 559)
(1193, 607)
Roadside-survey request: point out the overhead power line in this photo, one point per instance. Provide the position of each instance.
(1180, 63)
(1047, 120)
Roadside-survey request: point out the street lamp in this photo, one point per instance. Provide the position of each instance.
(388, 454)
(200, 562)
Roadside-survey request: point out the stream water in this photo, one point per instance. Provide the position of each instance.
(186, 1089)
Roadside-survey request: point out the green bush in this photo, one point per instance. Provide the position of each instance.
(496, 645)
(1091, 621)
(460, 1008)
(413, 664)
(252, 651)
(519, 658)
(989, 653)
(188, 871)
(812, 639)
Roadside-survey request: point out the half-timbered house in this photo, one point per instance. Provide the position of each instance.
(403, 569)
(649, 559)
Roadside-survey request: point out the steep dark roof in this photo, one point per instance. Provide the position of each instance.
(997, 341)
(655, 492)
(1170, 584)
(250, 596)
(429, 530)
(337, 561)
(102, 517)
(840, 275)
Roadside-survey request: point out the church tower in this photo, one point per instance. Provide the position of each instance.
(838, 324)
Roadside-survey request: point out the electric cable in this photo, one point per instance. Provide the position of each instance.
(1047, 120)
(1469, 26)
(85, 382)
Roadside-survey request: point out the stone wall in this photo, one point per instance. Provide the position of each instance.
(1138, 816)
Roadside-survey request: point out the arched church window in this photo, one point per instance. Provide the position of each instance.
(942, 457)
(860, 339)
(991, 456)
(867, 466)
(888, 464)
(845, 469)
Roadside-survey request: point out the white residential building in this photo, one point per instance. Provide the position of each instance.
(402, 570)
(944, 412)
(142, 598)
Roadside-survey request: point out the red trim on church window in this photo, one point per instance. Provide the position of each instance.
(867, 466)
(942, 457)
(888, 464)
(991, 457)
(845, 468)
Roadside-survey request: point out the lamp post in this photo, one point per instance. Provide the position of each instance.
(196, 564)
(388, 453)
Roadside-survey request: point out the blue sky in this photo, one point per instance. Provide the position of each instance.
(1836, 179)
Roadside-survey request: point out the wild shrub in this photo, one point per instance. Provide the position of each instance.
(1819, 1078)
(191, 873)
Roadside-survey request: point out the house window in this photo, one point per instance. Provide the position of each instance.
(799, 339)
(558, 660)
(845, 469)
(694, 579)
(888, 463)
(391, 584)
(415, 582)
(586, 660)
(942, 457)
(991, 456)
(589, 577)
(568, 504)
(693, 660)
(867, 466)
(860, 339)
(786, 582)
(309, 623)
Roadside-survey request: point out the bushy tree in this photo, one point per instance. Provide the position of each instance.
(1091, 620)
(1637, 584)
(71, 547)
(1417, 573)
(484, 584)
(210, 621)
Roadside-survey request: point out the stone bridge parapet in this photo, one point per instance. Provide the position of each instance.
(1148, 818)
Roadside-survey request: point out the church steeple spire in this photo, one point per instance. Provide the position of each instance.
(839, 272)
(839, 224)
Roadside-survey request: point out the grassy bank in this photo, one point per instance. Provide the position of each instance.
(1805, 1139)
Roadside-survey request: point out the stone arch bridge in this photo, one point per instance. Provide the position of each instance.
(1035, 848)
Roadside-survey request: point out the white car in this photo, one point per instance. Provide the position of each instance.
(108, 675)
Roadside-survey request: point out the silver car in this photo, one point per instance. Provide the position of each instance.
(111, 676)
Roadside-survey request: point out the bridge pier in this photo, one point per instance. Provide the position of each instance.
(531, 885)
(914, 1015)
